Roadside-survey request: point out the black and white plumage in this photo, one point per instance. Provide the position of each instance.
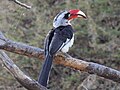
(60, 38)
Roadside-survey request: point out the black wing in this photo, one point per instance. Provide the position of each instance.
(57, 38)
(48, 40)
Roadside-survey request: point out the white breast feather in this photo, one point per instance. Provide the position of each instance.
(69, 43)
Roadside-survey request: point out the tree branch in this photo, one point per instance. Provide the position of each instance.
(21, 4)
(26, 81)
(90, 67)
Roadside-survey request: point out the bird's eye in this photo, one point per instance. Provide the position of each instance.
(67, 15)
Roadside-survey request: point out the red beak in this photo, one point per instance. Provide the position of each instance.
(75, 13)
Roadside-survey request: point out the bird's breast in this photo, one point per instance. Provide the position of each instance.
(67, 45)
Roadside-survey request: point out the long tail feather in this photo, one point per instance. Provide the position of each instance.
(44, 75)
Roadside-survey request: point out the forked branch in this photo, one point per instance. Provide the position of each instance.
(90, 67)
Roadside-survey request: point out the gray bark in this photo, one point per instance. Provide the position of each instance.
(23, 49)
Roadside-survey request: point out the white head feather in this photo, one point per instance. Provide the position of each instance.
(59, 20)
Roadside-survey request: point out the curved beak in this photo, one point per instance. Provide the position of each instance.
(76, 13)
(81, 14)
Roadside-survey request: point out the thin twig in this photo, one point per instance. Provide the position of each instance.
(22, 4)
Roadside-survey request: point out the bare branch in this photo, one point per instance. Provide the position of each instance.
(26, 81)
(92, 68)
(21, 4)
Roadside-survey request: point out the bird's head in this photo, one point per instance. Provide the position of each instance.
(63, 18)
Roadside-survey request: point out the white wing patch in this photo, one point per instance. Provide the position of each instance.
(65, 47)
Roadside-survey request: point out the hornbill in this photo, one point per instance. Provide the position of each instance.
(60, 38)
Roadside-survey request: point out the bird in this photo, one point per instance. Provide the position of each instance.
(60, 38)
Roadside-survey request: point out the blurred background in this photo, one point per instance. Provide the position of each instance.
(96, 40)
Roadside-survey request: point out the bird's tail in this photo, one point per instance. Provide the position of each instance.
(44, 74)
